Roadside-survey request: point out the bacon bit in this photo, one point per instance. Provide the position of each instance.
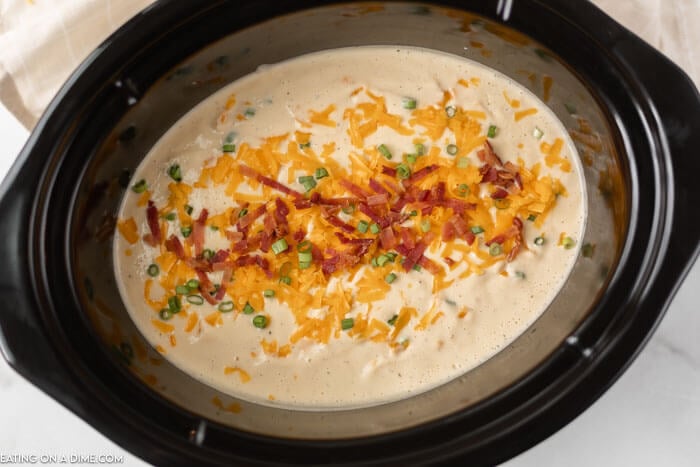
(448, 232)
(497, 239)
(241, 247)
(205, 286)
(225, 279)
(316, 253)
(148, 239)
(437, 193)
(488, 156)
(173, 245)
(469, 237)
(430, 265)
(387, 238)
(518, 181)
(393, 186)
(517, 233)
(198, 232)
(407, 238)
(365, 209)
(224, 265)
(415, 254)
(339, 261)
(153, 224)
(449, 261)
(378, 188)
(269, 223)
(458, 206)
(460, 225)
(511, 168)
(488, 175)
(199, 263)
(299, 235)
(272, 183)
(500, 193)
(220, 256)
(390, 171)
(375, 200)
(251, 217)
(422, 173)
(354, 189)
(235, 236)
(336, 221)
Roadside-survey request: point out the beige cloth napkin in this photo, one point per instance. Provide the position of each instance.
(43, 41)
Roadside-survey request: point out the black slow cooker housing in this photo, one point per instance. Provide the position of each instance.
(65, 329)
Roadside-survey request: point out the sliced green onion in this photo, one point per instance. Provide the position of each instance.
(495, 249)
(392, 320)
(175, 172)
(243, 212)
(362, 226)
(568, 243)
(425, 225)
(214, 228)
(207, 253)
(537, 133)
(268, 293)
(385, 151)
(308, 182)
(374, 262)
(587, 250)
(228, 147)
(417, 267)
(195, 299)
(411, 158)
(153, 270)
(409, 103)
(452, 149)
(539, 241)
(347, 323)
(230, 137)
(374, 228)
(450, 302)
(451, 111)
(462, 163)
(165, 314)
(532, 217)
(403, 171)
(140, 186)
(305, 257)
(182, 290)
(520, 274)
(391, 277)
(477, 229)
(304, 264)
(171, 216)
(248, 309)
(571, 108)
(286, 280)
(174, 304)
(226, 306)
(348, 209)
(305, 145)
(280, 246)
(382, 260)
(188, 209)
(192, 284)
(462, 189)
(420, 149)
(305, 246)
(186, 230)
(321, 172)
(260, 321)
(413, 213)
(493, 130)
(249, 112)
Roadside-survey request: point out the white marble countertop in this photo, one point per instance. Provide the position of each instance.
(650, 416)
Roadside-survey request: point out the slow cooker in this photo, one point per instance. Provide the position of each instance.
(634, 116)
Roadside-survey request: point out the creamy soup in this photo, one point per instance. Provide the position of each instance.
(350, 227)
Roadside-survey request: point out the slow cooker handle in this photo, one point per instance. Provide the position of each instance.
(677, 103)
(24, 340)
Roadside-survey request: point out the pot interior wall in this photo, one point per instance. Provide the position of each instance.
(159, 93)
